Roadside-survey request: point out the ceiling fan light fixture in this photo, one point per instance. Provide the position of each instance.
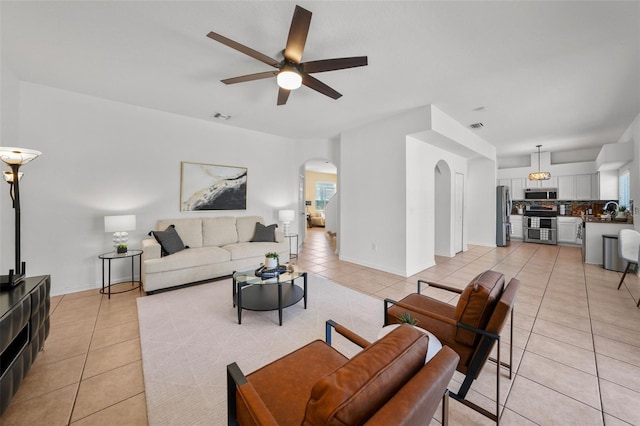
(289, 79)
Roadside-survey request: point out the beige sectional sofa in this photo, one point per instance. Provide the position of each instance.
(218, 246)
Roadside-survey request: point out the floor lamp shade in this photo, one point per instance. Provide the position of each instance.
(286, 216)
(119, 225)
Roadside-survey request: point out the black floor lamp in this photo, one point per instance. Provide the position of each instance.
(14, 158)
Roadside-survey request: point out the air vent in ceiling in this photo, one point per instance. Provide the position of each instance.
(476, 125)
(221, 116)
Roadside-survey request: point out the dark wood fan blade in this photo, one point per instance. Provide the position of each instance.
(250, 77)
(283, 95)
(319, 86)
(334, 64)
(297, 35)
(244, 49)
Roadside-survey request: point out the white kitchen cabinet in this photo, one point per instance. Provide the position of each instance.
(566, 187)
(552, 182)
(516, 186)
(607, 181)
(568, 229)
(583, 187)
(516, 227)
(517, 189)
(531, 183)
(595, 186)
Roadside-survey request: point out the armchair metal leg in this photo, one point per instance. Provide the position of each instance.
(445, 408)
(235, 378)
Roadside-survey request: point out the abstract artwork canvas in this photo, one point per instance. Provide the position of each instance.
(212, 187)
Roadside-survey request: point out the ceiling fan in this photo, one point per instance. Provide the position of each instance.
(290, 72)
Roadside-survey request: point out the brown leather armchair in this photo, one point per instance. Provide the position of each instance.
(471, 328)
(386, 383)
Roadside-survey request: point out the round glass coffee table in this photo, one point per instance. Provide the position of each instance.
(256, 294)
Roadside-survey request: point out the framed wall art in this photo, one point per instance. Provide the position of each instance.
(212, 187)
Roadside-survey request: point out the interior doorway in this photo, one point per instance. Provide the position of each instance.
(458, 214)
(442, 210)
(319, 205)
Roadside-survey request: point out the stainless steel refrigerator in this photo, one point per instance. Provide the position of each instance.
(503, 215)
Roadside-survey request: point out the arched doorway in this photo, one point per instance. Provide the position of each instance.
(317, 194)
(442, 210)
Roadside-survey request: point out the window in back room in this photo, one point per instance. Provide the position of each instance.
(624, 191)
(324, 192)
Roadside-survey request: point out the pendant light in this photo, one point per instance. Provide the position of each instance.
(539, 175)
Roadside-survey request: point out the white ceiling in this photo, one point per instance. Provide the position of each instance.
(562, 74)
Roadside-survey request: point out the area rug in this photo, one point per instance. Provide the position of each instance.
(189, 336)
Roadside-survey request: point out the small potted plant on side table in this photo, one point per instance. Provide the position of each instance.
(271, 260)
(121, 249)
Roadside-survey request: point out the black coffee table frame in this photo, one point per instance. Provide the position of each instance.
(255, 294)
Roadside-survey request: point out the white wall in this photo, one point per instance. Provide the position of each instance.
(421, 234)
(632, 134)
(9, 136)
(481, 197)
(373, 191)
(102, 157)
(578, 168)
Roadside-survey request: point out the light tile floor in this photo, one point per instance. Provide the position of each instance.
(576, 342)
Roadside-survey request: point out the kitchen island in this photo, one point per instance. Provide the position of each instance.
(594, 230)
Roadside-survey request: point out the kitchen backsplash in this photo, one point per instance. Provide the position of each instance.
(571, 208)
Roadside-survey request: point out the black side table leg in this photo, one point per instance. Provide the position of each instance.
(280, 303)
(239, 293)
(233, 291)
(304, 276)
(102, 276)
(109, 282)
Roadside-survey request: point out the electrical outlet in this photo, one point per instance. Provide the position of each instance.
(636, 211)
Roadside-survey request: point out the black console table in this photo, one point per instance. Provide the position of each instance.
(24, 326)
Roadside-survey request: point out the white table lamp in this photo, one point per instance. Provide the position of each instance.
(119, 225)
(286, 216)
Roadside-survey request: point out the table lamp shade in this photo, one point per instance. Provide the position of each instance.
(286, 215)
(126, 222)
(119, 225)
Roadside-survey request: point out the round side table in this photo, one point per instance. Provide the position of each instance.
(434, 343)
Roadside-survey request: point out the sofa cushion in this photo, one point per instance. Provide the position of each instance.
(246, 227)
(187, 259)
(264, 234)
(246, 250)
(355, 391)
(218, 231)
(169, 240)
(476, 304)
(190, 230)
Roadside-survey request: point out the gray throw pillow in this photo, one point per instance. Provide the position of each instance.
(169, 240)
(266, 234)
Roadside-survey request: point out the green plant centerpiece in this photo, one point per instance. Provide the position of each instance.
(271, 260)
(622, 214)
(406, 319)
(122, 248)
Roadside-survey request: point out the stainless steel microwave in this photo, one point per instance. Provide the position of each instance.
(541, 193)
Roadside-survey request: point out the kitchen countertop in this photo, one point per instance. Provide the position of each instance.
(592, 219)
